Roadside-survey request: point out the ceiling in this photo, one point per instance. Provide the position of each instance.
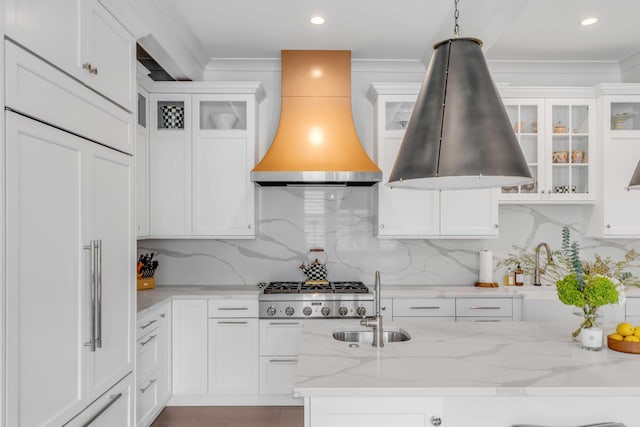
(545, 30)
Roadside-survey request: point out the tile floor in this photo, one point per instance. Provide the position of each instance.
(230, 416)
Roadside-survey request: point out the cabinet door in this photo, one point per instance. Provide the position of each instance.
(164, 355)
(620, 206)
(233, 356)
(189, 346)
(111, 222)
(142, 166)
(223, 156)
(277, 374)
(469, 213)
(46, 281)
(170, 166)
(110, 50)
(403, 213)
(280, 337)
(51, 29)
(570, 153)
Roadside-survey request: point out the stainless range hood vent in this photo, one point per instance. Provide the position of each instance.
(316, 141)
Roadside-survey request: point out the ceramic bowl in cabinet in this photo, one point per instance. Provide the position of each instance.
(223, 120)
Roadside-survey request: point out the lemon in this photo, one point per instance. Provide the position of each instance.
(616, 337)
(636, 331)
(625, 329)
(632, 338)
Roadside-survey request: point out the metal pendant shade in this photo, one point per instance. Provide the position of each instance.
(634, 184)
(459, 135)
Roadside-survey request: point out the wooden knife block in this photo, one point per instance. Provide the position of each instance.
(147, 283)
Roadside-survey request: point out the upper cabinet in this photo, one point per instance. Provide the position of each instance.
(616, 212)
(81, 38)
(142, 164)
(402, 213)
(202, 150)
(557, 137)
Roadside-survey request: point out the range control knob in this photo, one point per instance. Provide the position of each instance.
(306, 311)
(342, 311)
(361, 311)
(325, 311)
(271, 311)
(289, 311)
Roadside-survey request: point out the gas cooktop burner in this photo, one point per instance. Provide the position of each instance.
(323, 288)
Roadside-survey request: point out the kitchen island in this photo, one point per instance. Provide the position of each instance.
(465, 375)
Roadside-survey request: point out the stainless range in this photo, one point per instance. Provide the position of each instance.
(300, 300)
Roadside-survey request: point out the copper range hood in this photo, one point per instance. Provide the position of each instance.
(316, 142)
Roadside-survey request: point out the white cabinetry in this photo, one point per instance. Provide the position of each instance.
(633, 310)
(200, 165)
(80, 37)
(615, 214)
(233, 346)
(153, 363)
(557, 136)
(113, 408)
(189, 346)
(403, 213)
(65, 194)
(425, 309)
(142, 164)
(279, 349)
(486, 309)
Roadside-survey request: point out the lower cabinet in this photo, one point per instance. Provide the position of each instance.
(153, 363)
(189, 346)
(279, 349)
(488, 309)
(233, 356)
(425, 309)
(632, 311)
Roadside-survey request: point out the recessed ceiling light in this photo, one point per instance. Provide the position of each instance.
(588, 21)
(317, 20)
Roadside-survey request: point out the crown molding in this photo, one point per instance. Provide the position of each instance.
(218, 87)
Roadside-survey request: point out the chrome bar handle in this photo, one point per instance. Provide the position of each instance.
(99, 293)
(148, 341)
(144, 389)
(112, 399)
(92, 341)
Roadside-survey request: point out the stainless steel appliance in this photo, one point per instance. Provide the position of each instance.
(301, 300)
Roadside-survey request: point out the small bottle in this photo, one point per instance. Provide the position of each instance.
(508, 278)
(518, 276)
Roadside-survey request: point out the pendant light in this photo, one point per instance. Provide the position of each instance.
(459, 135)
(634, 184)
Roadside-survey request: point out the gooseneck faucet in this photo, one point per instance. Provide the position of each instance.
(375, 322)
(537, 271)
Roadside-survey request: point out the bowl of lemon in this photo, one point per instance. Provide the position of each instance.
(626, 338)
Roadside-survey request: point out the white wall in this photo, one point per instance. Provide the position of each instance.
(341, 221)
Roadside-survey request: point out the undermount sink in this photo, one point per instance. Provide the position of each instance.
(388, 335)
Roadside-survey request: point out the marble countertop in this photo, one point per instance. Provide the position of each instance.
(462, 359)
(159, 294)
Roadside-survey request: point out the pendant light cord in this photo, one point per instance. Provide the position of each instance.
(456, 15)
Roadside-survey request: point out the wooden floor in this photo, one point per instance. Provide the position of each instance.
(230, 416)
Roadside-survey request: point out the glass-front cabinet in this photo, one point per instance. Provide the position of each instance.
(558, 141)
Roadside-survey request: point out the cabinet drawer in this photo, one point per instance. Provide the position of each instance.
(227, 307)
(484, 307)
(148, 323)
(483, 319)
(424, 307)
(148, 354)
(277, 374)
(146, 399)
(633, 307)
(280, 337)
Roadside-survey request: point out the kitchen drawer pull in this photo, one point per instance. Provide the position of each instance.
(484, 307)
(112, 399)
(163, 315)
(588, 425)
(285, 323)
(144, 389)
(232, 308)
(227, 322)
(425, 308)
(148, 324)
(99, 295)
(153, 337)
(486, 320)
(283, 360)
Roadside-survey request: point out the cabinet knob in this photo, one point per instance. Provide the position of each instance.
(381, 225)
(87, 66)
(93, 71)
(608, 226)
(495, 225)
(249, 226)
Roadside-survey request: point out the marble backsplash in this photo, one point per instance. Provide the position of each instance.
(292, 220)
